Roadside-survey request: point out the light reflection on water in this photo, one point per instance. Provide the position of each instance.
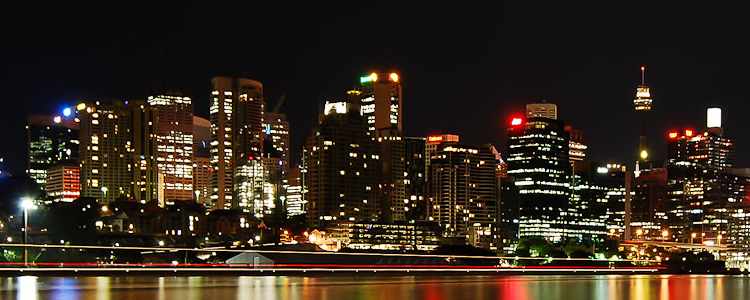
(340, 287)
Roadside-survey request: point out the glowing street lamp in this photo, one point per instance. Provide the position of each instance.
(27, 204)
(664, 234)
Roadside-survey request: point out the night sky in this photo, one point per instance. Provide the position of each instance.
(465, 68)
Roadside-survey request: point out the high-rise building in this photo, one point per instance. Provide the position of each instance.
(50, 140)
(63, 182)
(106, 171)
(174, 145)
(463, 193)
(415, 181)
(643, 104)
(236, 114)
(382, 102)
(538, 160)
(541, 110)
(341, 163)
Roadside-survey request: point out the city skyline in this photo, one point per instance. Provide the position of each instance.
(489, 79)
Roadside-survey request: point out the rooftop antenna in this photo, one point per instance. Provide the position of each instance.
(643, 75)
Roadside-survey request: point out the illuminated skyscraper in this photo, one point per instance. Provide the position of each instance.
(463, 193)
(50, 140)
(117, 151)
(174, 146)
(538, 160)
(381, 104)
(236, 114)
(643, 104)
(341, 161)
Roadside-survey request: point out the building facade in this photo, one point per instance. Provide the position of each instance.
(463, 193)
(538, 160)
(341, 163)
(174, 146)
(63, 183)
(236, 115)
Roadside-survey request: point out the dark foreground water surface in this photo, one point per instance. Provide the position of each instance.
(389, 287)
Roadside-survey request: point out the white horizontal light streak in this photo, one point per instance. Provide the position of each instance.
(162, 249)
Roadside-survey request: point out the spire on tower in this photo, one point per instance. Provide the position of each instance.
(643, 75)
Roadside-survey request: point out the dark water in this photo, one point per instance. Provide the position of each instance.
(389, 287)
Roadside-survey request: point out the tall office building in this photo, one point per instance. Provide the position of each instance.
(643, 104)
(381, 103)
(341, 164)
(415, 181)
(174, 145)
(236, 114)
(63, 183)
(49, 140)
(117, 151)
(463, 191)
(541, 110)
(538, 160)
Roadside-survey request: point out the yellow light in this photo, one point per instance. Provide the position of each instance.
(664, 233)
(644, 154)
(639, 232)
(394, 77)
(81, 106)
(373, 76)
(693, 235)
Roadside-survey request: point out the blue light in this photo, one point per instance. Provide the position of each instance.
(67, 112)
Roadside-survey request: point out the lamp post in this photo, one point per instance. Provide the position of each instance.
(27, 204)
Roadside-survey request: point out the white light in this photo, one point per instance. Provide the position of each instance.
(27, 203)
(713, 117)
(602, 170)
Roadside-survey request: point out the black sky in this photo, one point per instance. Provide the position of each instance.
(465, 66)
